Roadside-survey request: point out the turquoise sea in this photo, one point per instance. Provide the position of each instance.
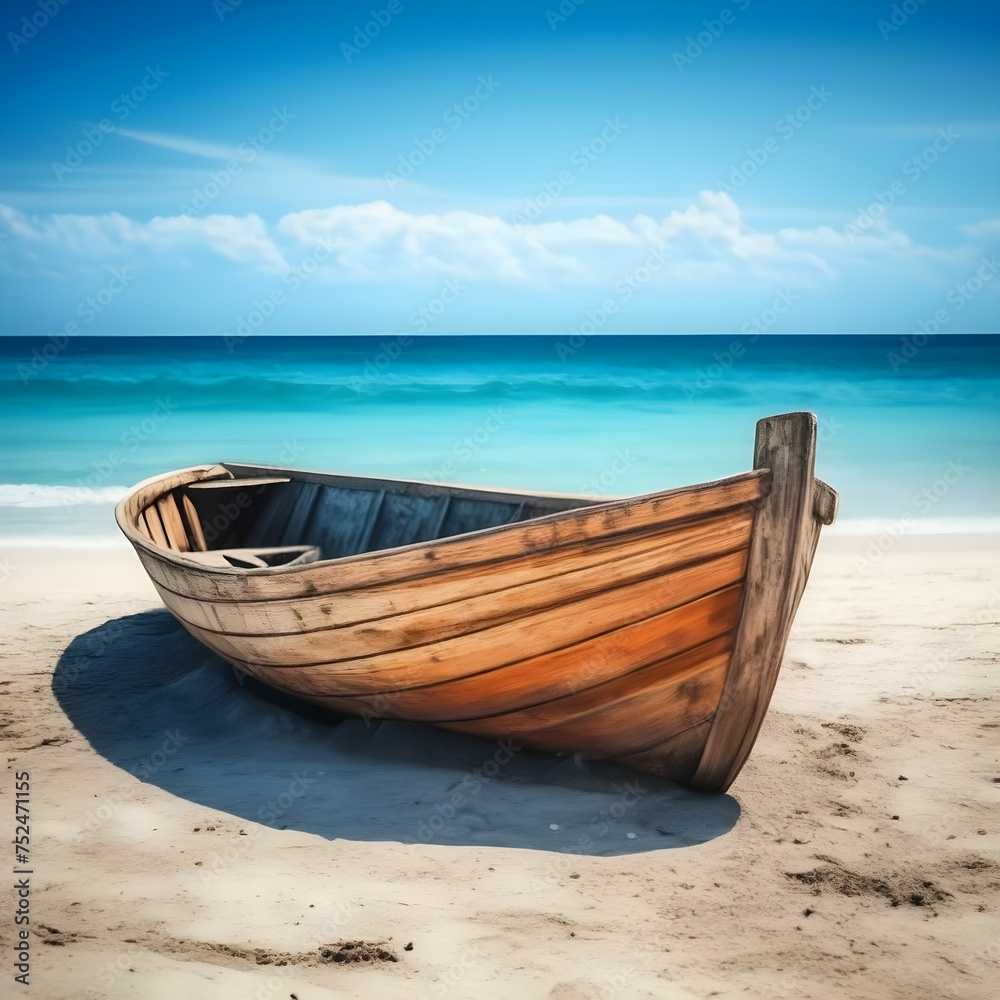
(909, 426)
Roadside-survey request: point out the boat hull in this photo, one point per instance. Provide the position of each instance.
(615, 629)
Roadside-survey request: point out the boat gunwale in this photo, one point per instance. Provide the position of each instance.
(632, 535)
(128, 509)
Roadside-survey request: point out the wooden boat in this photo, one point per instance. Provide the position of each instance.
(648, 630)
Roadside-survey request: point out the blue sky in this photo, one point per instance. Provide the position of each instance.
(546, 167)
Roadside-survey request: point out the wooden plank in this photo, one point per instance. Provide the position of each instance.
(193, 521)
(826, 502)
(341, 520)
(259, 557)
(155, 526)
(173, 524)
(234, 484)
(553, 670)
(622, 581)
(406, 518)
(675, 758)
(362, 541)
(294, 532)
(470, 633)
(659, 709)
(700, 540)
(129, 510)
(572, 707)
(471, 515)
(781, 550)
(479, 549)
(532, 680)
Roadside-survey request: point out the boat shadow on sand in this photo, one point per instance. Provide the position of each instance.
(157, 704)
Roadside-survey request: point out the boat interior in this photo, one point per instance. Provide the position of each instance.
(249, 517)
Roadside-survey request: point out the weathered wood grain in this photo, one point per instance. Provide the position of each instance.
(513, 686)
(193, 522)
(173, 525)
(544, 662)
(468, 632)
(676, 757)
(665, 549)
(236, 484)
(781, 551)
(826, 502)
(482, 549)
(155, 527)
(620, 725)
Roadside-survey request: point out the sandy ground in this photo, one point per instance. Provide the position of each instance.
(190, 837)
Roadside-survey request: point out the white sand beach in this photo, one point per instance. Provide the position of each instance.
(191, 837)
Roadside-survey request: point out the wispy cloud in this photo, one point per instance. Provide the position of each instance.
(988, 229)
(182, 144)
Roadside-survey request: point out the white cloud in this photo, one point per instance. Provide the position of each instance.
(236, 238)
(378, 241)
(115, 237)
(708, 243)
